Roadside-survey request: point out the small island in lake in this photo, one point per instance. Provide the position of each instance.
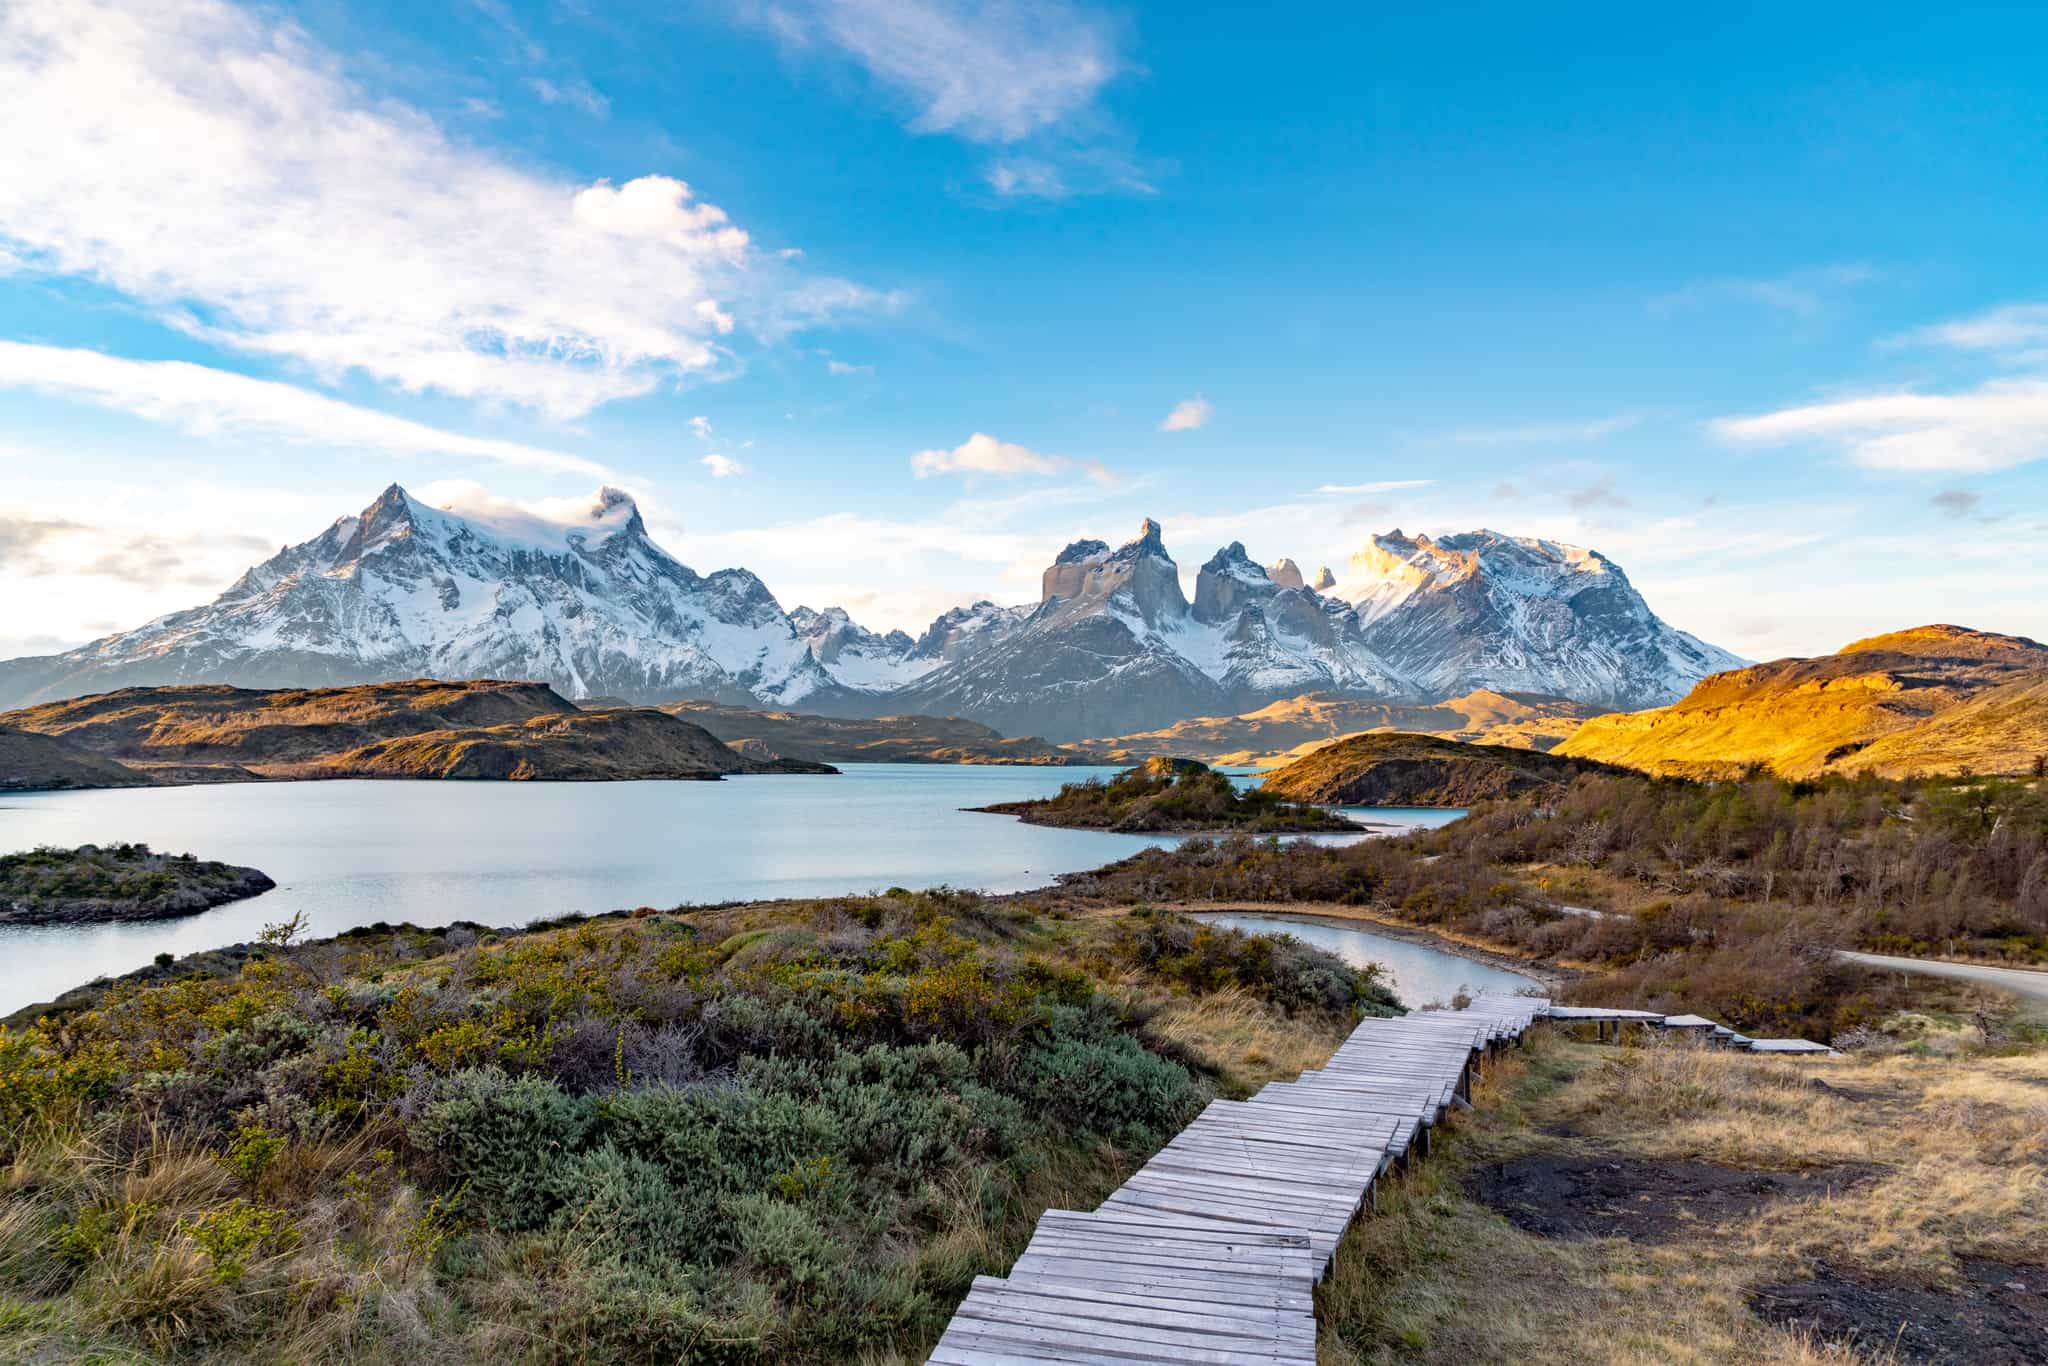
(95, 884)
(1398, 769)
(1167, 796)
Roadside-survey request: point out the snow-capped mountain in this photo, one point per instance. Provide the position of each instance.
(1114, 646)
(591, 605)
(1517, 614)
(855, 656)
(588, 604)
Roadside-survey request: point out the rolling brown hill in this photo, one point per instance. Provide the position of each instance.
(30, 762)
(1396, 769)
(871, 740)
(1295, 726)
(595, 746)
(485, 728)
(1930, 700)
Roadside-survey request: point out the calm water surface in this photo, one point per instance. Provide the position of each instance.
(351, 853)
(1419, 974)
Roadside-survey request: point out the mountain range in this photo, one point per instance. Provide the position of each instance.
(592, 606)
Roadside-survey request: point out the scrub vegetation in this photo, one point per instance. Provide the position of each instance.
(1173, 796)
(1726, 899)
(787, 1132)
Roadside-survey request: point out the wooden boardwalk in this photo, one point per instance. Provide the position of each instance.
(1210, 1253)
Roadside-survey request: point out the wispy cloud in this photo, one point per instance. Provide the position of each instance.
(846, 368)
(2015, 334)
(1021, 75)
(983, 454)
(203, 400)
(1187, 415)
(1956, 502)
(723, 466)
(1375, 486)
(1991, 427)
(1797, 294)
(1595, 496)
(39, 547)
(1544, 433)
(245, 188)
(702, 427)
(576, 93)
(988, 70)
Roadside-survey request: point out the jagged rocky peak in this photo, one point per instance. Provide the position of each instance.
(1229, 582)
(1138, 575)
(961, 631)
(1286, 573)
(1324, 580)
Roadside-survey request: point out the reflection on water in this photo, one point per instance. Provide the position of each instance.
(351, 853)
(1420, 974)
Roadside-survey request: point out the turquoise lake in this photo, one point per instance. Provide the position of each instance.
(350, 853)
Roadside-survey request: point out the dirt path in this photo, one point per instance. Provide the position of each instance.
(2030, 986)
(1549, 974)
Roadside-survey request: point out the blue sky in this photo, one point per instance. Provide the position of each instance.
(887, 300)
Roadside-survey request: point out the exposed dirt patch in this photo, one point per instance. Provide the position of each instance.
(1642, 1199)
(2001, 1319)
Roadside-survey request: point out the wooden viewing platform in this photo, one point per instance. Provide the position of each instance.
(1210, 1253)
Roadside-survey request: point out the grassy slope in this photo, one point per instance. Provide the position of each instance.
(1415, 770)
(1942, 1160)
(1171, 796)
(1930, 700)
(786, 1132)
(1521, 720)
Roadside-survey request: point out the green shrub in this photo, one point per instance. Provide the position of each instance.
(504, 1139)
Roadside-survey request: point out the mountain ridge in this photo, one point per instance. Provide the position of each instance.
(587, 603)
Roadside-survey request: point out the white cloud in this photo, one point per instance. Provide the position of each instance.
(983, 454)
(702, 427)
(1797, 294)
(1187, 415)
(1376, 486)
(2014, 333)
(723, 466)
(1544, 433)
(986, 70)
(219, 167)
(202, 400)
(1994, 426)
(840, 367)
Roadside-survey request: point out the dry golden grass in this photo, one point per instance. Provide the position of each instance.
(1245, 1039)
(1950, 1152)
